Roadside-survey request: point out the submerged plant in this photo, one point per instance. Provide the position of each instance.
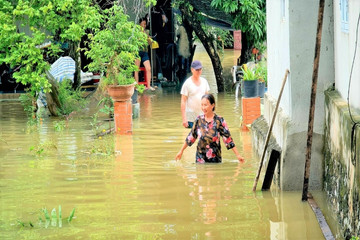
(107, 107)
(70, 100)
(103, 146)
(59, 125)
(28, 101)
(47, 219)
(41, 148)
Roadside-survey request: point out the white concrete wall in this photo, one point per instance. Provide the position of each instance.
(344, 53)
(303, 26)
(291, 44)
(278, 52)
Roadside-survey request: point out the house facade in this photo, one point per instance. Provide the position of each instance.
(291, 29)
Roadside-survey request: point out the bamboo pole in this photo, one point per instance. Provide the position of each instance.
(269, 131)
(312, 101)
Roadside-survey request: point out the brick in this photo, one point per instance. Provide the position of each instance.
(250, 110)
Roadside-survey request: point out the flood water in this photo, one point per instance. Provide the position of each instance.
(139, 192)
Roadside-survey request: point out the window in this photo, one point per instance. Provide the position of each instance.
(283, 9)
(344, 11)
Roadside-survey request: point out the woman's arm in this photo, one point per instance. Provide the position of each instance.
(239, 157)
(179, 155)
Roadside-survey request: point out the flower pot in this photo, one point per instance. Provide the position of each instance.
(261, 89)
(121, 93)
(250, 88)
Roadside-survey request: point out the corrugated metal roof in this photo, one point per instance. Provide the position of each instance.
(214, 17)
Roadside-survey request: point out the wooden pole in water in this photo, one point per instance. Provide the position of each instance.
(312, 101)
(269, 131)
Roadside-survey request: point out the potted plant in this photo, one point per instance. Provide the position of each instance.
(250, 82)
(261, 74)
(113, 50)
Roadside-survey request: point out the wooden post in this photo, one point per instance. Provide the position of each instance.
(312, 101)
(269, 131)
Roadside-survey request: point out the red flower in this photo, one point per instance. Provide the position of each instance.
(210, 154)
(227, 140)
(200, 160)
(191, 138)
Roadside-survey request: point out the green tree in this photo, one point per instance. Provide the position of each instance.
(193, 21)
(25, 25)
(249, 17)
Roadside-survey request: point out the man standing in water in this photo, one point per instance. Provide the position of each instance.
(191, 92)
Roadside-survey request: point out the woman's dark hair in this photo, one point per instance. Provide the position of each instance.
(143, 19)
(210, 98)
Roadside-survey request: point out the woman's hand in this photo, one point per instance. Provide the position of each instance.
(179, 155)
(240, 158)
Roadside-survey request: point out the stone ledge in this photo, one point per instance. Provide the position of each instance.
(9, 96)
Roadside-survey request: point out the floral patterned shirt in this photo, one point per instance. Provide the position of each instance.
(209, 134)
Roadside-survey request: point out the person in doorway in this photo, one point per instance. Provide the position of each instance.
(183, 48)
(208, 129)
(144, 57)
(191, 92)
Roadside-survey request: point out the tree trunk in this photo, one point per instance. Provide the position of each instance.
(245, 49)
(52, 98)
(208, 44)
(74, 54)
(189, 30)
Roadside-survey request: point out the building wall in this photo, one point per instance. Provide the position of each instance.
(341, 176)
(344, 53)
(342, 181)
(291, 33)
(334, 159)
(303, 26)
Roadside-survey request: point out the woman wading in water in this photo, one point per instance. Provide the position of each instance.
(209, 128)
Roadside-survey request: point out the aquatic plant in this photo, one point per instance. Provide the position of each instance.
(70, 100)
(59, 125)
(47, 219)
(107, 107)
(41, 148)
(103, 146)
(28, 101)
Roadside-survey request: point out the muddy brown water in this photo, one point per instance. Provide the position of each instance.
(139, 192)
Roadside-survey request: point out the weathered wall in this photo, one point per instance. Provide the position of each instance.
(289, 175)
(342, 172)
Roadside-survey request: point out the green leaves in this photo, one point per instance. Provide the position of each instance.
(53, 219)
(69, 219)
(114, 48)
(248, 73)
(229, 6)
(249, 16)
(41, 21)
